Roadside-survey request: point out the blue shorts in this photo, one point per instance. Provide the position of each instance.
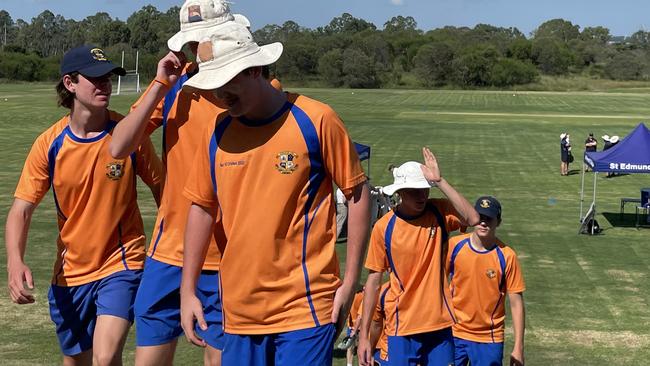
(478, 354)
(74, 310)
(158, 306)
(378, 360)
(312, 346)
(425, 349)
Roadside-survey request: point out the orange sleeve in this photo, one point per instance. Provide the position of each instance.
(452, 244)
(198, 187)
(377, 260)
(35, 179)
(339, 154)
(449, 212)
(514, 276)
(149, 166)
(156, 119)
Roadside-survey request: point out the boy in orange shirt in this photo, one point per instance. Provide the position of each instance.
(269, 165)
(410, 243)
(182, 115)
(482, 271)
(100, 246)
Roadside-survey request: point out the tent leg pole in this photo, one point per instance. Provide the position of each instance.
(582, 188)
(594, 201)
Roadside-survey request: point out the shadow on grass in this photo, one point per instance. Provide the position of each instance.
(626, 220)
(573, 172)
(616, 175)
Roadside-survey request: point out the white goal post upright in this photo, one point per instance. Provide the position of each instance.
(130, 74)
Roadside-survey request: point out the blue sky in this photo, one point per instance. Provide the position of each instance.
(622, 17)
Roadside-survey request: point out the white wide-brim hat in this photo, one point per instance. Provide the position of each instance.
(562, 135)
(241, 19)
(605, 137)
(614, 139)
(407, 175)
(226, 51)
(197, 17)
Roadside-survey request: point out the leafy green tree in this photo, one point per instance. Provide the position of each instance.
(358, 69)
(433, 63)
(401, 24)
(144, 35)
(640, 39)
(626, 66)
(558, 29)
(346, 23)
(330, 67)
(508, 72)
(551, 56)
(474, 66)
(520, 49)
(599, 35)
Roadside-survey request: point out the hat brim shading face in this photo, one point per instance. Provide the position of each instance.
(102, 69)
(215, 74)
(393, 188)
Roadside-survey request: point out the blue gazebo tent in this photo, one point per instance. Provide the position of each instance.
(364, 154)
(631, 155)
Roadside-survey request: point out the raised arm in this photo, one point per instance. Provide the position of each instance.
(18, 220)
(128, 133)
(468, 214)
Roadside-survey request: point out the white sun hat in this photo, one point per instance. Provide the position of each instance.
(407, 175)
(562, 135)
(606, 137)
(197, 16)
(225, 51)
(614, 139)
(241, 19)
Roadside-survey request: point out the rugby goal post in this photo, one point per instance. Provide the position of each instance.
(129, 83)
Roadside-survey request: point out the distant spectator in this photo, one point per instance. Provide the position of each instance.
(565, 148)
(607, 141)
(591, 144)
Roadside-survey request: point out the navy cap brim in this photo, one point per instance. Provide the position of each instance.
(489, 212)
(102, 69)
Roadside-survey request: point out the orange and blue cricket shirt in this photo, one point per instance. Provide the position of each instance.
(412, 250)
(183, 115)
(479, 283)
(272, 180)
(100, 228)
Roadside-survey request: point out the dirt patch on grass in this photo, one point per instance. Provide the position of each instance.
(592, 338)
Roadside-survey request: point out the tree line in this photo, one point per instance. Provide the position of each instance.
(347, 52)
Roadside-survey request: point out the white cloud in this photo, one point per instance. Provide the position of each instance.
(397, 2)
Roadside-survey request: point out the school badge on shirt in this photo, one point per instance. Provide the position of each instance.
(115, 170)
(491, 273)
(286, 162)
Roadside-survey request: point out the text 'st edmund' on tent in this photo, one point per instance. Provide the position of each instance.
(631, 155)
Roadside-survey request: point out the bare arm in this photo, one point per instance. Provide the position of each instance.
(128, 133)
(519, 325)
(358, 229)
(468, 214)
(197, 239)
(18, 221)
(370, 298)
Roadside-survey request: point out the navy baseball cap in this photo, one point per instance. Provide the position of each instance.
(488, 206)
(88, 61)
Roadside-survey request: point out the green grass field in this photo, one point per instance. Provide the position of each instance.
(587, 298)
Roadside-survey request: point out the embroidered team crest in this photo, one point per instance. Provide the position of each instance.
(491, 273)
(98, 54)
(194, 14)
(115, 170)
(485, 203)
(287, 162)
